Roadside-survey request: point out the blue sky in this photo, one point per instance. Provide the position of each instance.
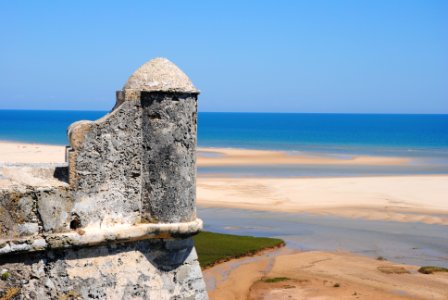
(272, 56)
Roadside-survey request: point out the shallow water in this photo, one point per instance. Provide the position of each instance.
(325, 170)
(409, 243)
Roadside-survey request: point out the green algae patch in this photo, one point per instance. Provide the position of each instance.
(274, 279)
(432, 269)
(214, 248)
(5, 276)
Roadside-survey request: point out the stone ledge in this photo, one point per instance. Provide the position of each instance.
(98, 236)
(33, 174)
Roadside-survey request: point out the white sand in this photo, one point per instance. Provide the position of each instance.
(397, 198)
(12, 152)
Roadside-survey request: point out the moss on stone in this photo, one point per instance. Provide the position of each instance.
(70, 295)
(5, 275)
(274, 279)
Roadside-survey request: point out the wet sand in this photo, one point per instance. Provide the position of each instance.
(322, 275)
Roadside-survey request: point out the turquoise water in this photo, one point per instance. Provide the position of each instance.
(424, 137)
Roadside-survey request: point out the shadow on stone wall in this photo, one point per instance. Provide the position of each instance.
(165, 255)
(61, 173)
(89, 272)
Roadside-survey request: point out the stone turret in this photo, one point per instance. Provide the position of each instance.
(117, 221)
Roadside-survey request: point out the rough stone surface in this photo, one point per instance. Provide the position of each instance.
(37, 175)
(18, 212)
(160, 74)
(143, 270)
(116, 221)
(107, 169)
(53, 207)
(169, 162)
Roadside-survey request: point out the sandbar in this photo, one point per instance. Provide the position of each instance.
(419, 198)
(208, 157)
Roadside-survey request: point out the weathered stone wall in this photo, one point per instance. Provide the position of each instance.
(27, 211)
(169, 156)
(107, 170)
(149, 177)
(151, 269)
(115, 222)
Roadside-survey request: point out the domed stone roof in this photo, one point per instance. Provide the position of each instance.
(160, 74)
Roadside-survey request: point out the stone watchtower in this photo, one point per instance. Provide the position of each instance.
(116, 221)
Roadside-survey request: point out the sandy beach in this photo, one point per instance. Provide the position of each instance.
(394, 198)
(403, 198)
(14, 152)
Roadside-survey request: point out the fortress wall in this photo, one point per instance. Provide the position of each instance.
(115, 222)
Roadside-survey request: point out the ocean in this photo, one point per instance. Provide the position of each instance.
(421, 136)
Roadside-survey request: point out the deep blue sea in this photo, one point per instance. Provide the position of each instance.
(424, 137)
(351, 133)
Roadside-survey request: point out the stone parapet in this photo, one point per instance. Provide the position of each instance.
(93, 236)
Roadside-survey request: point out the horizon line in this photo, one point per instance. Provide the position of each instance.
(239, 112)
